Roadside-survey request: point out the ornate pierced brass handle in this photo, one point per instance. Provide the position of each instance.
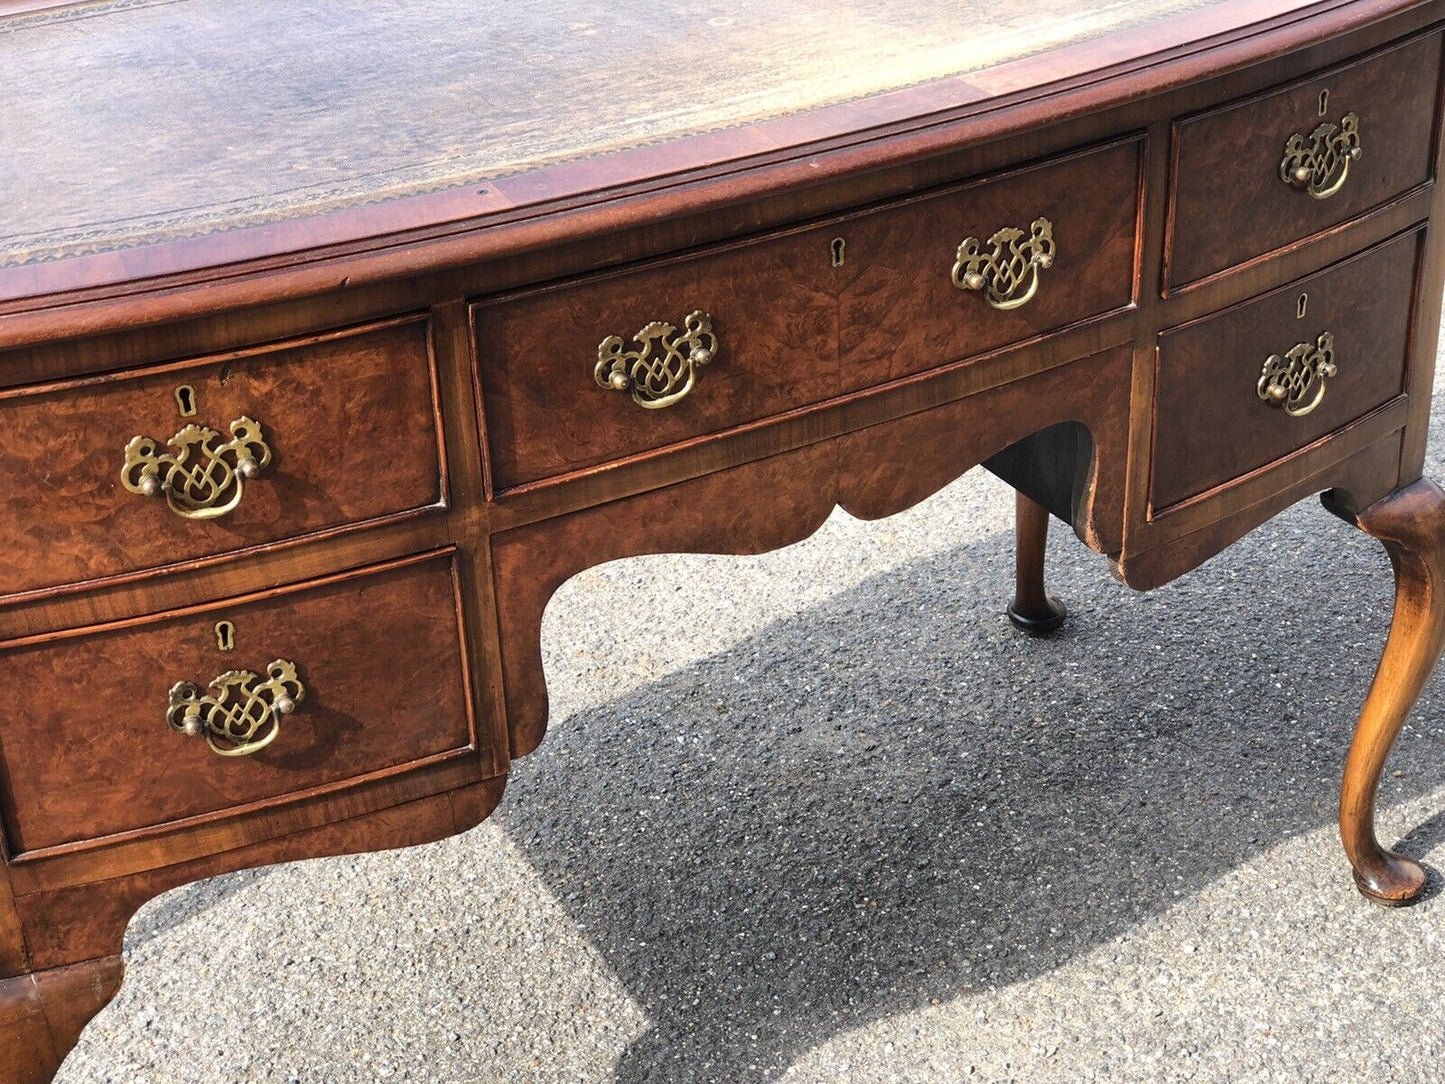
(663, 367)
(1295, 381)
(1008, 273)
(1322, 165)
(200, 475)
(244, 715)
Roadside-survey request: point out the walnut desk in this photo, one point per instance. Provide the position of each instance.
(330, 347)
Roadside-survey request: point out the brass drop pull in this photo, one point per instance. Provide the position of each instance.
(663, 366)
(244, 714)
(1007, 274)
(1322, 165)
(1295, 380)
(200, 475)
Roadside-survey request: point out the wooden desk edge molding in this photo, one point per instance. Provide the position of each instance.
(1165, 280)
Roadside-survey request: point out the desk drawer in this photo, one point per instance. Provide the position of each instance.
(1216, 418)
(903, 313)
(348, 421)
(764, 308)
(373, 662)
(798, 317)
(1236, 194)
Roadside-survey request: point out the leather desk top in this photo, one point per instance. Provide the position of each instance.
(212, 134)
(203, 115)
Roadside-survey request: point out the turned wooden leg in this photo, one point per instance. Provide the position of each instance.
(1411, 525)
(1033, 609)
(41, 1016)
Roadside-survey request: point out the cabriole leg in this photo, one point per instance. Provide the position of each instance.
(1411, 525)
(1033, 609)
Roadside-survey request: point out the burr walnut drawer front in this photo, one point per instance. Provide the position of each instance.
(116, 730)
(1027, 253)
(1261, 174)
(592, 371)
(1249, 386)
(595, 370)
(139, 470)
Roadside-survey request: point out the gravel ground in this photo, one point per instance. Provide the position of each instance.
(823, 816)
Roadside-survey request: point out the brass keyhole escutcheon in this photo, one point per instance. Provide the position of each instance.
(838, 246)
(225, 636)
(1324, 102)
(1301, 306)
(186, 400)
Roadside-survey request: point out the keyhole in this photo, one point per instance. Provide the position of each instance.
(838, 245)
(186, 400)
(225, 635)
(1324, 102)
(1301, 305)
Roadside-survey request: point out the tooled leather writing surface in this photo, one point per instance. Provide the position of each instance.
(130, 122)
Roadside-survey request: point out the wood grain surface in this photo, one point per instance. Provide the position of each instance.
(87, 753)
(793, 328)
(899, 312)
(351, 420)
(1411, 526)
(1209, 370)
(1229, 202)
(86, 921)
(42, 1014)
(774, 314)
(1033, 609)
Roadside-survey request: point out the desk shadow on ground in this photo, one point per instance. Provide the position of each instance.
(895, 798)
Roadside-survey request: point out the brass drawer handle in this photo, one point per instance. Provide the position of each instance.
(663, 367)
(200, 475)
(245, 714)
(1295, 381)
(1321, 166)
(1008, 274)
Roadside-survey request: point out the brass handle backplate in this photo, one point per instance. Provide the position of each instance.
(1322, 165)
(200, 475)
(663, 367)
(1295, 381)
(1008, 273)
(244, 714)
